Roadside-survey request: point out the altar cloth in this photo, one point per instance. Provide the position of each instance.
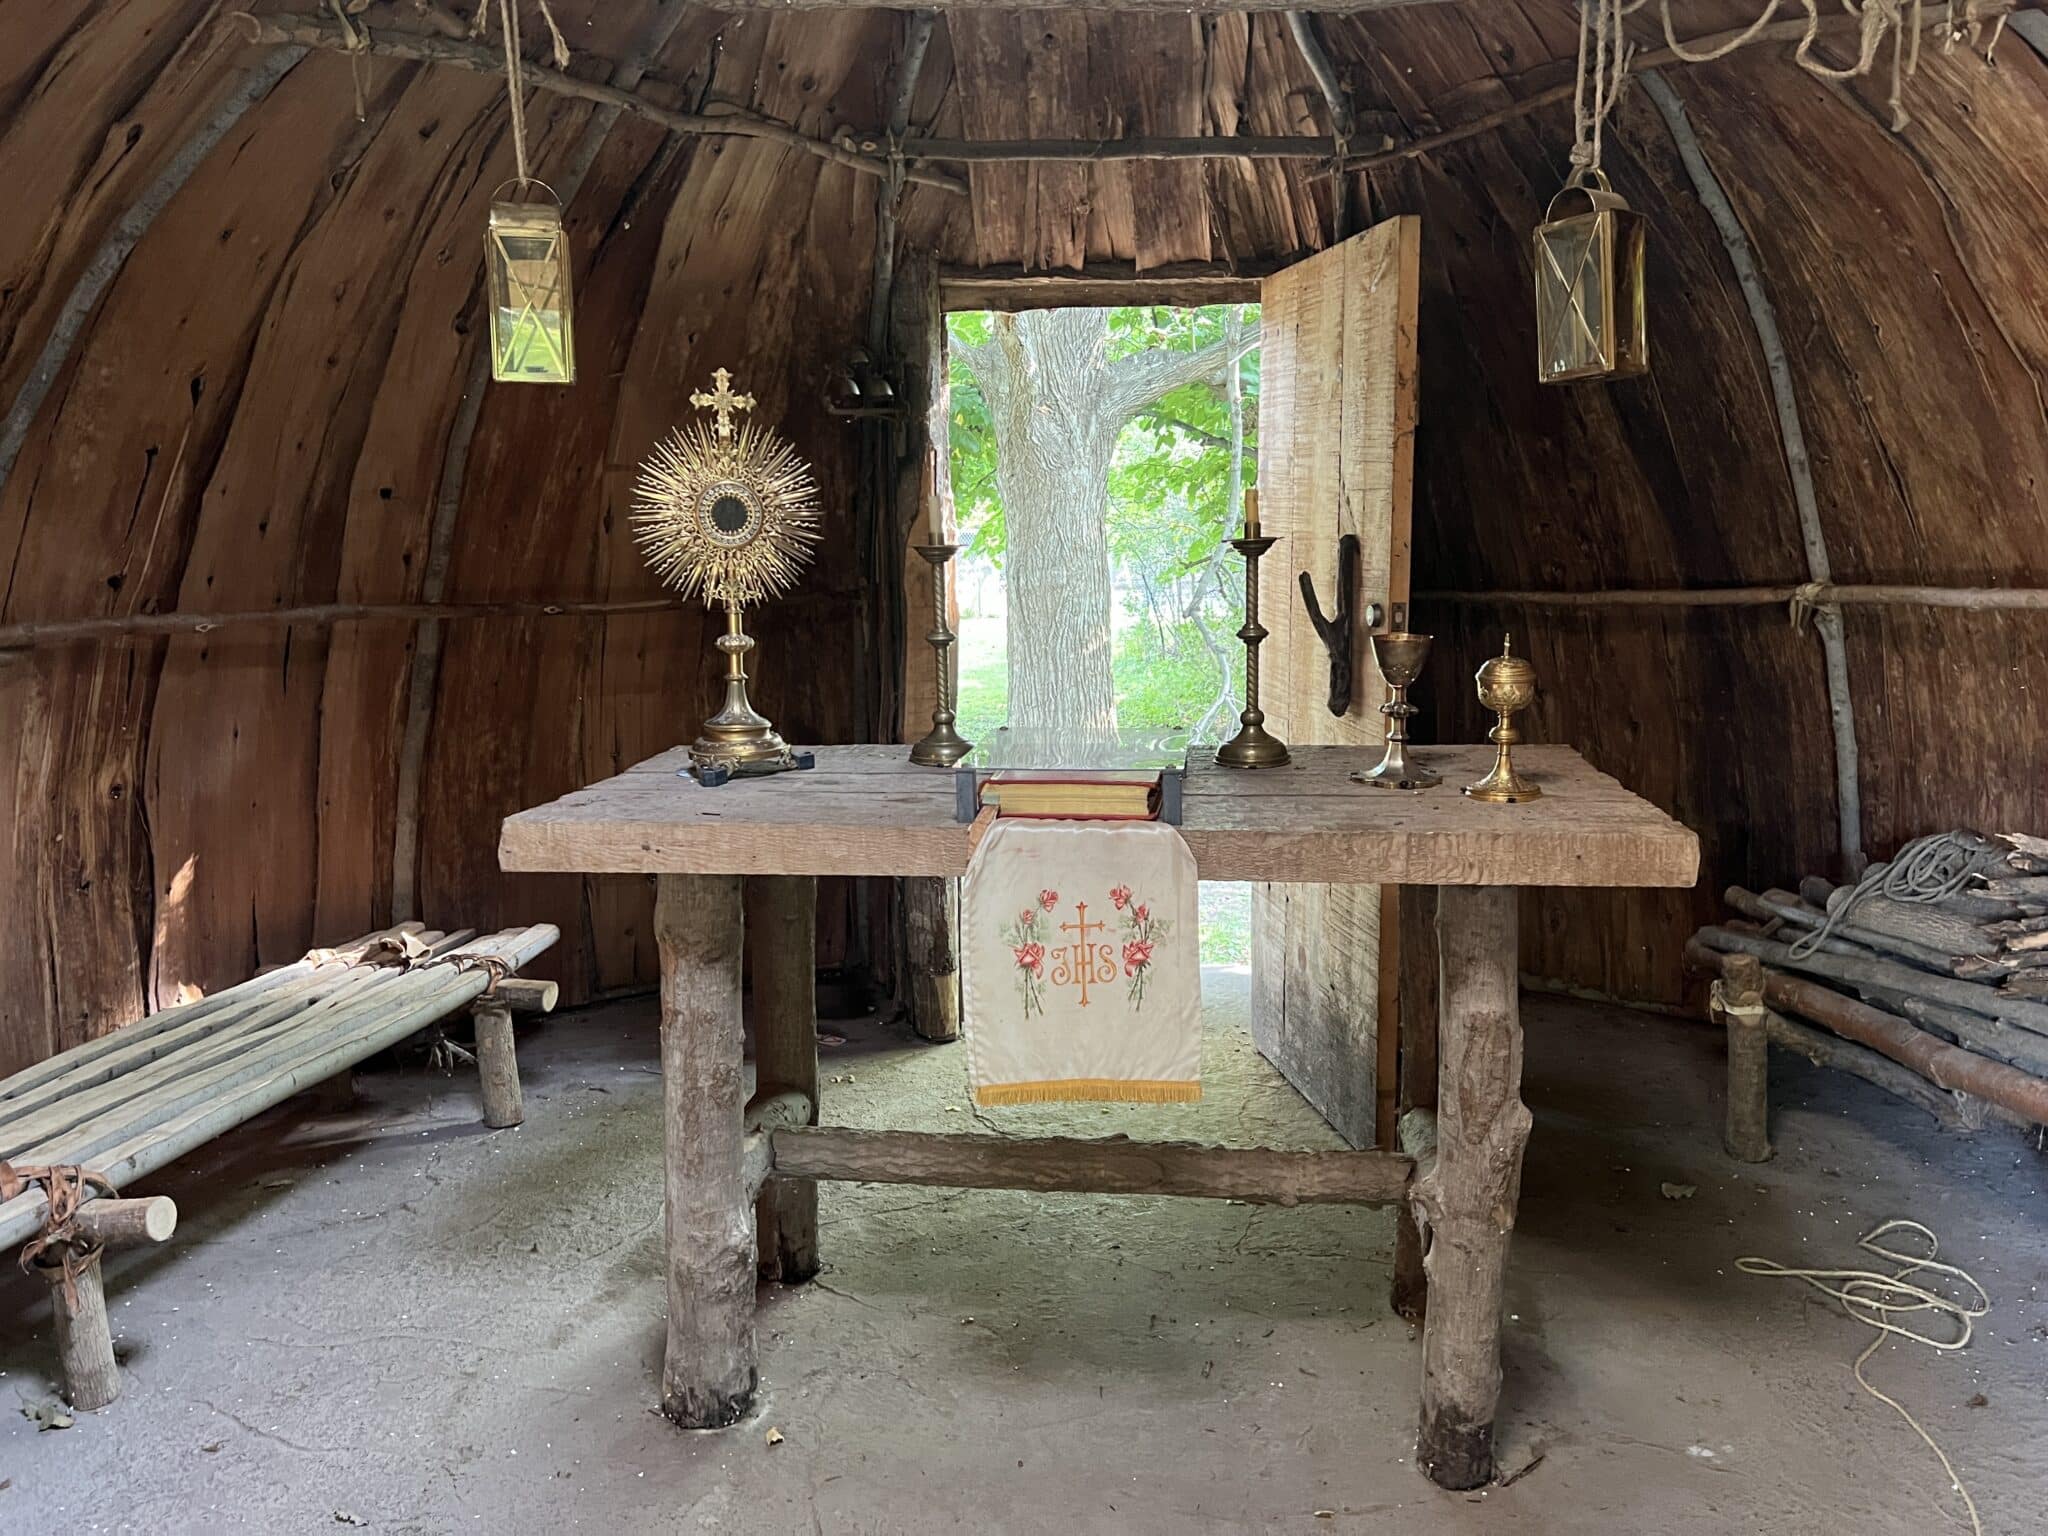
(1081, 964)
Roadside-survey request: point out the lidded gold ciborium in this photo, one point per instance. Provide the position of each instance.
(1400, 657)
(1507, 685)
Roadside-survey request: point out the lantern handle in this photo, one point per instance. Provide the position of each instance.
(1590, 182)
(534, 181)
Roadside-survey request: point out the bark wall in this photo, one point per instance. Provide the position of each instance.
(258, 410)
(238, 327)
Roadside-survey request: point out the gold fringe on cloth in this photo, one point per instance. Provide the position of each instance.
(1088, 1090)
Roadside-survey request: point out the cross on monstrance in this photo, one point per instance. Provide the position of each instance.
(722, 402)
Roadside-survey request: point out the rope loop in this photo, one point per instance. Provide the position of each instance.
(1874, 1298)
(64, 1186)
(497, 965)
(1926, 870)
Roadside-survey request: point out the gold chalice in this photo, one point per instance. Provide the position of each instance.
(1506, 683)
(1400, 657)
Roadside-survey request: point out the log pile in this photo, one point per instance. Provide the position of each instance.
(1932, 970)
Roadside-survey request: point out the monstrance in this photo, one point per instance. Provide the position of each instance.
(729, 512)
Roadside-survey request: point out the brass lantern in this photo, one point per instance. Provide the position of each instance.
(1589, 287)
(526, 260)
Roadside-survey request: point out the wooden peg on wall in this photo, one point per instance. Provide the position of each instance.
(1337, 631)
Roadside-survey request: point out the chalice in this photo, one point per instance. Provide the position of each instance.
(1506, 684)
(1400, 657)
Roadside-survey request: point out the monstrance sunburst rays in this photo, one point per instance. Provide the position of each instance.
(727, 513)
(731, 515)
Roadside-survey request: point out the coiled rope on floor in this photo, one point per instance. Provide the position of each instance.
(1874, 1299)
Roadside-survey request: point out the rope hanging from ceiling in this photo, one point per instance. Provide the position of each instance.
(1605, 52)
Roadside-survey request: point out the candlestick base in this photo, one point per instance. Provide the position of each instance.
(940, 747)
(1253, 746)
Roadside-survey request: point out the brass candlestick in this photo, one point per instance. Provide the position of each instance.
(1253, 746)
(1506, 683)
(942, 746)
(1400, 656)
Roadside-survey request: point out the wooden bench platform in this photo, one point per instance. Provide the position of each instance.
(89, 1120)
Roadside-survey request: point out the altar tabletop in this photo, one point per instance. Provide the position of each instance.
(867, 810)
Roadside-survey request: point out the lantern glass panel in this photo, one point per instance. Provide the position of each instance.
(527, 268)
(1590, 318)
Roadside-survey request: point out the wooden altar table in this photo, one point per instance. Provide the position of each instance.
(741, 1176)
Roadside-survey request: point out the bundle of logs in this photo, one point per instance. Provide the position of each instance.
(1930, 981)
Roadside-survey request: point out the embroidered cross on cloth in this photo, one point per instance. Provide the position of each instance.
(1081, 964)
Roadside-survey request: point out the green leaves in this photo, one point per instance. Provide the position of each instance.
(1169, 486)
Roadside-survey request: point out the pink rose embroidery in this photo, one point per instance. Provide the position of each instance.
(1048, 899)
(1031, 957)
(1137, 955)
(1120, 896)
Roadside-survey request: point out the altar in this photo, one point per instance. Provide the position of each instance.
(741, 1173)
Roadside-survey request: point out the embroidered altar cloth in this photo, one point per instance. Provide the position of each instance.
(1081, 964)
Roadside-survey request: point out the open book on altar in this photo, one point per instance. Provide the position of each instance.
(1109, 776)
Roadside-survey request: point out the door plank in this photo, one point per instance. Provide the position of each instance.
(1336, 456)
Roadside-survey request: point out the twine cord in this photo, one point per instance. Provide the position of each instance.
(1602, 70)
(1926, 870)
(64, 1186)
(508, 26)
(515, 86)
(1874, 1298)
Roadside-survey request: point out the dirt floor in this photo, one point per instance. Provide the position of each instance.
(396, 1320)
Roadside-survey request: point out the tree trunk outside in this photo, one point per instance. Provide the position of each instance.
(1054, 445)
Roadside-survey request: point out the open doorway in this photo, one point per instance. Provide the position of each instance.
(1098, 459)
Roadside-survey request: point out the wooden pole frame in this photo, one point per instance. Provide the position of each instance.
(422, 48)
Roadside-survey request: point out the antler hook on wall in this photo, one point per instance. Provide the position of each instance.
(1337, 631)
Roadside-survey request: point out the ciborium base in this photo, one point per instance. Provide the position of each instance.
(1503, 786)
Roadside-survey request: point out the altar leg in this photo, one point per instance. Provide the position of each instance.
(1465, 1197)
(782, 920)
(1416, 1009)
(707, 1377)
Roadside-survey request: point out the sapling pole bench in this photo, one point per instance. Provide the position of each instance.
(741, 1176)
(85, 1122)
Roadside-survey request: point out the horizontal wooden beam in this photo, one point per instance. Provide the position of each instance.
(32, 634)
(1101, 285)
(324, 33)
(1191, 147)
(1816, 594)
(1113, 1165)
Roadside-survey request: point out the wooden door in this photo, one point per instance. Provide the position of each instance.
(1336, 456)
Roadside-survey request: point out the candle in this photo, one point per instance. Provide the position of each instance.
(1251, 513)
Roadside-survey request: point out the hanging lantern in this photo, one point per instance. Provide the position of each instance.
(1590, 322)
(526, 258)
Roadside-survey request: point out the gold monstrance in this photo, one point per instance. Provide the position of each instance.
(731, 512)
